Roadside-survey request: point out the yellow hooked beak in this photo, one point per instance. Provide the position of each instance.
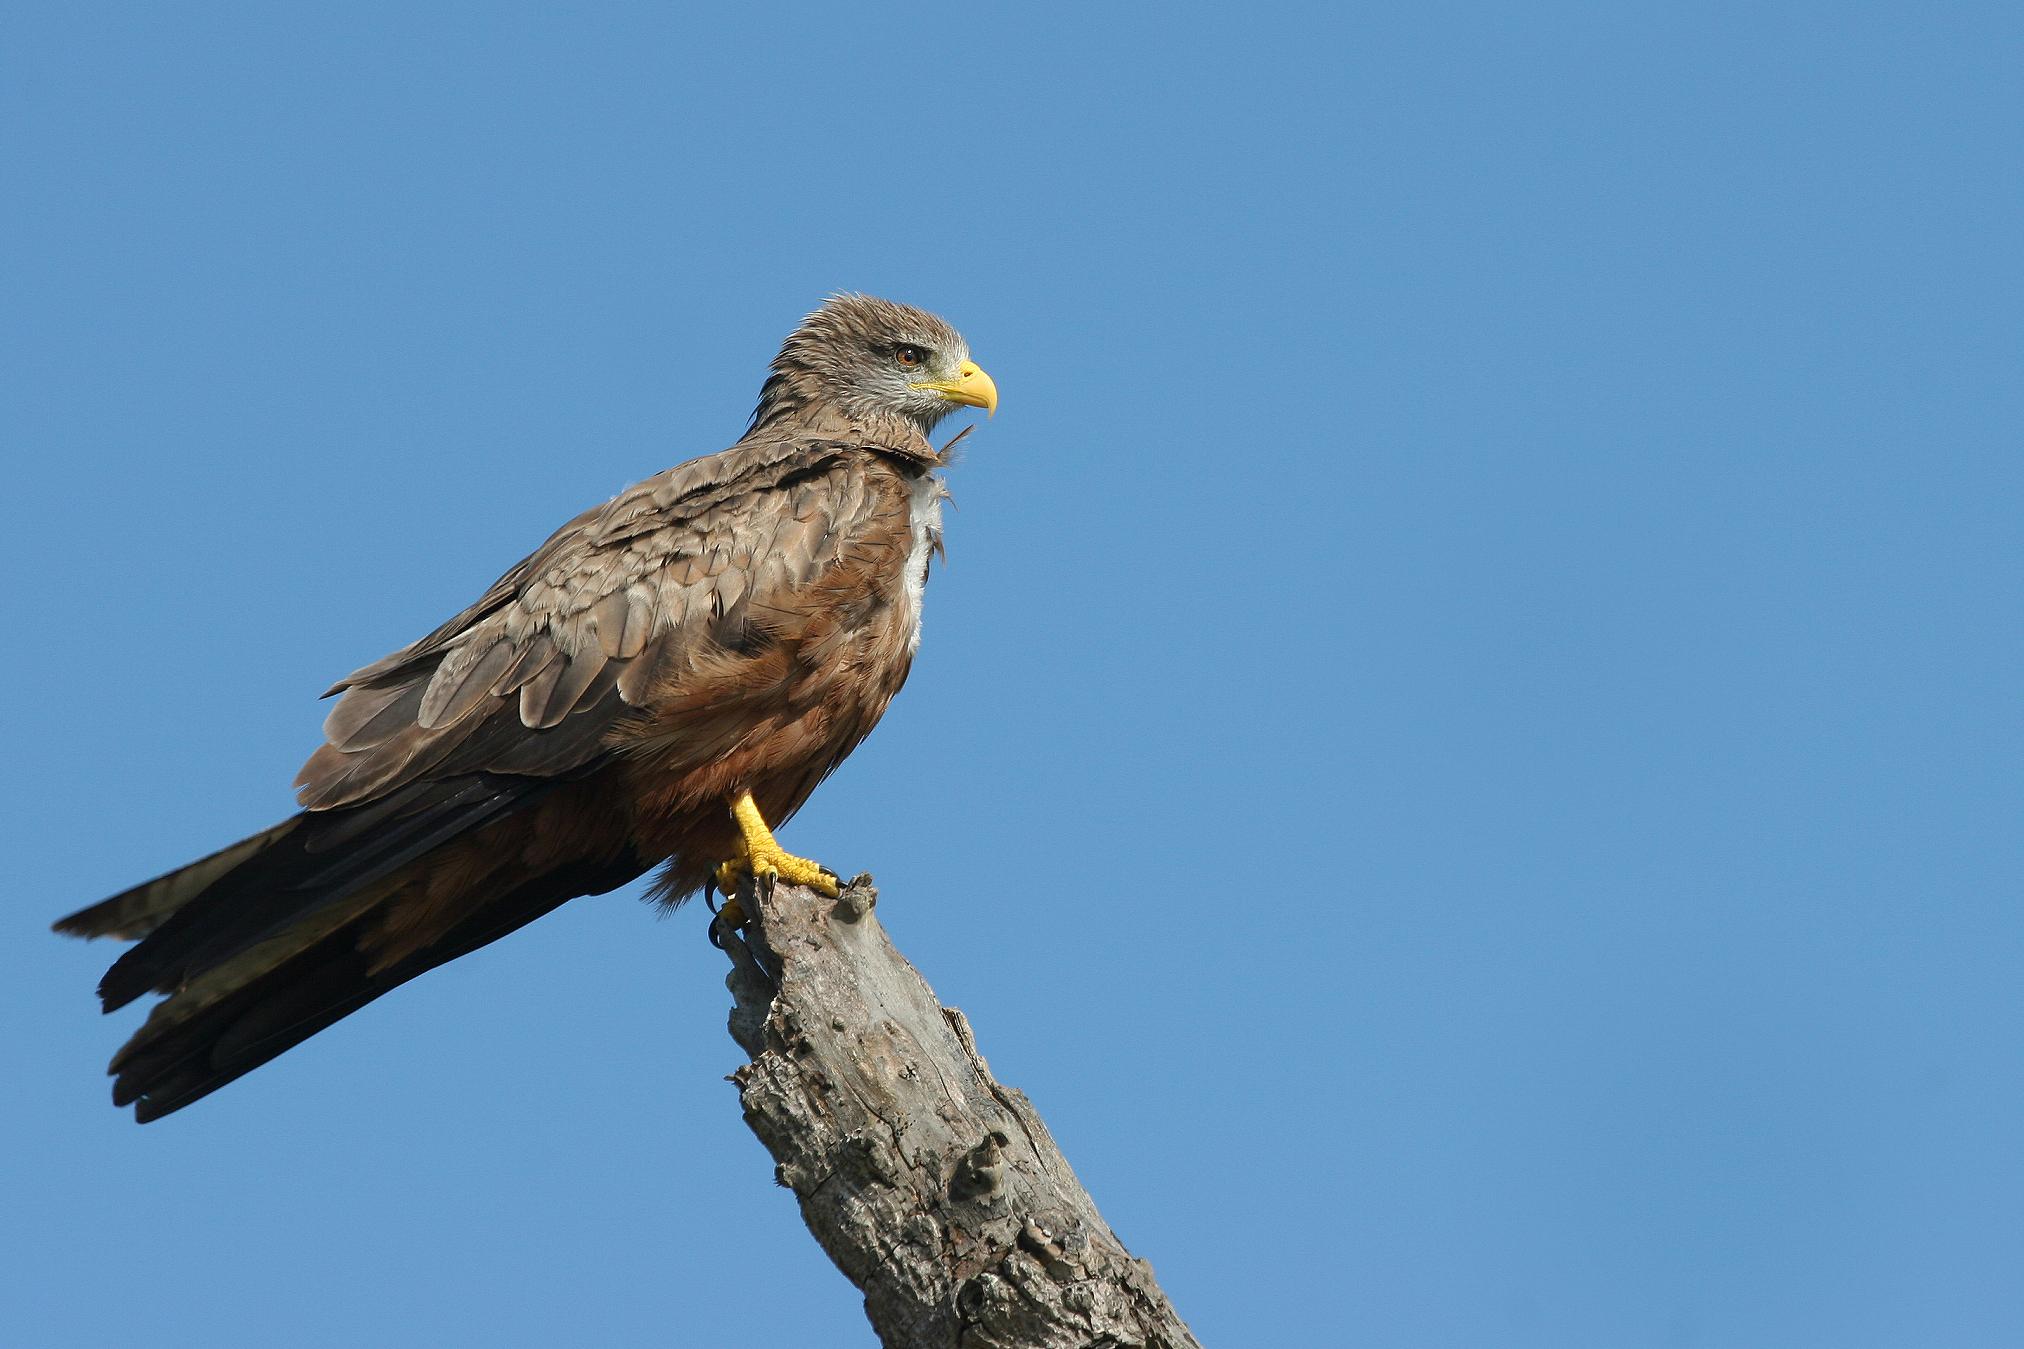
(971, 387)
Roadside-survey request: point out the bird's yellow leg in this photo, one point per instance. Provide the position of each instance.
(766, 860)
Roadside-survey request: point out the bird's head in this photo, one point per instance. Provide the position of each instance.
(873, 361)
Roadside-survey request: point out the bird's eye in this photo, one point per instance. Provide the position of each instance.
(909, 355)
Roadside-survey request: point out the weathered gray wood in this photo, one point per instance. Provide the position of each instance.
(936, 1190)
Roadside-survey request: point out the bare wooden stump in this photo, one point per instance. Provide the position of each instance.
(936, 1190)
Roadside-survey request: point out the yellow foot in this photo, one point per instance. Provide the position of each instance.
(732, 914)
(765, 860)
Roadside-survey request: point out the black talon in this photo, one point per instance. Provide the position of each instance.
(723, 922)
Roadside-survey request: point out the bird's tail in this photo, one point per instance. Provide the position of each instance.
(264, 943)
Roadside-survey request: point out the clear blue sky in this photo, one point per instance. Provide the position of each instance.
(1465, 755)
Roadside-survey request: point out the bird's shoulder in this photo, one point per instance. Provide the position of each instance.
(790, 500)
(690, 561)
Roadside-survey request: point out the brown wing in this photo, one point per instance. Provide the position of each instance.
(265, 943)
(535, 677)
(521, 693)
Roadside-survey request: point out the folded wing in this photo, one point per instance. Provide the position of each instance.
(532, 689)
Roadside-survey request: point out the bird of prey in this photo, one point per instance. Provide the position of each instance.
(667, 675)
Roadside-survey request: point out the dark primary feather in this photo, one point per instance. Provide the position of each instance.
(133, 914)
(295, 999)
(321, 859)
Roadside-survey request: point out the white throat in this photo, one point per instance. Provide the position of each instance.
(924, 520)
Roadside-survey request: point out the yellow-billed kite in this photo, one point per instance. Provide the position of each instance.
(667, 674)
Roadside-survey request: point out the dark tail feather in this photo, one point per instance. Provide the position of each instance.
(201, 916)
(286, 1005)
(133, 914)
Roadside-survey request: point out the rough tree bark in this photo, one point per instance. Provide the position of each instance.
(935, 1189)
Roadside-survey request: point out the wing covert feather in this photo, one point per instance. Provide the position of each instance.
(568, 644)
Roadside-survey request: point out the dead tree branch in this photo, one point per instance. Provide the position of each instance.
(935, 1189)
